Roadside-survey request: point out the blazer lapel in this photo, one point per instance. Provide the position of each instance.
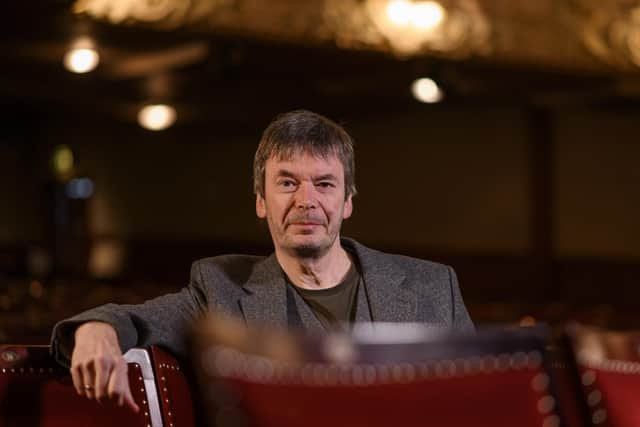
(266, 299)
(390, 297)
(363, 313)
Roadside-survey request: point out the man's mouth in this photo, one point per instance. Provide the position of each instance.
(305, 223)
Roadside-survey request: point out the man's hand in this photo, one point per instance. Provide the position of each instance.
(97, 367)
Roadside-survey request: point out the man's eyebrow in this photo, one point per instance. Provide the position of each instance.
(286, 173)
(326, 177)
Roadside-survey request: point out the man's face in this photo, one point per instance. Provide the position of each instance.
(304, 203)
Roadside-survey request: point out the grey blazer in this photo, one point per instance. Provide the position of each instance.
(396, 289)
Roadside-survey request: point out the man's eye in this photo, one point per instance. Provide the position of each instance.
(325, 184)
(287, 183)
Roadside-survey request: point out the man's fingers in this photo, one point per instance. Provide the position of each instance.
(128, 400)
(88, 380)
(103, 368)
(118, 386)
(78, 380)
(95, 354)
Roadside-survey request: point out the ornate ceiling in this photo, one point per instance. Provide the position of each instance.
(243, 60)
(585, 35)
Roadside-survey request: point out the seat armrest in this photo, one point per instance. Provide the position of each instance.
(141, 357)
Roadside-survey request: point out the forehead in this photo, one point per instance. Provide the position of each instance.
(305, 164)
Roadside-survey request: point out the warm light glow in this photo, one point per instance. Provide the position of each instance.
(106, 259)
(527, 321)
(423, 15)
(62, 160)
(427, 15)
(426, 90)
(156, 117)
(35, 289)
(399, 12)
(81, 60)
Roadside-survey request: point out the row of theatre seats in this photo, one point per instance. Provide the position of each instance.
(378, 375)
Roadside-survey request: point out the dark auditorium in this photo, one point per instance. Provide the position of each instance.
(320, 213)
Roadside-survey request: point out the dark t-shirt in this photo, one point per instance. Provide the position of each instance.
(334, 307)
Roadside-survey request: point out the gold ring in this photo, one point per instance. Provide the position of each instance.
(88, 387)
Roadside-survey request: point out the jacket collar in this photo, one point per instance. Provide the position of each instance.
(389, 298)
(266, 299)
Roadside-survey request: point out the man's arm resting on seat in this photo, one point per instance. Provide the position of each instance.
(98, 368)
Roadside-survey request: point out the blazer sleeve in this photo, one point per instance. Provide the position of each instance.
(460, 319)
(161, 321)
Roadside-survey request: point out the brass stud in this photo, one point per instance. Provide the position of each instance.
(546, 404)
(599, 416)
(540, 382)
(551, 421)
(594, 397)
(588, 378)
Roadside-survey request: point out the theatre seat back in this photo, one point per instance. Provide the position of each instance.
(271, 380)
(37, 392)
(608, 364)
(174, 391)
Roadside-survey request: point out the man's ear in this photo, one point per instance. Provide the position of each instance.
(261, 209)
(348, 207)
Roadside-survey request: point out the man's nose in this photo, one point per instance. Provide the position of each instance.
(305, 196)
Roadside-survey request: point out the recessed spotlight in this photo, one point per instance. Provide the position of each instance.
(156, 116)
(427, 90)
(82, 57)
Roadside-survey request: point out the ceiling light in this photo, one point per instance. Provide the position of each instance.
(156, 116)
(82, 57)
(426, 90)
(399, 12)
(421, 15)
(427, 15)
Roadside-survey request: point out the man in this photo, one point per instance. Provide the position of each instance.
(316, 280)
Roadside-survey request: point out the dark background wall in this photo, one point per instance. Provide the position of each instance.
(534, 202)
(452, 184)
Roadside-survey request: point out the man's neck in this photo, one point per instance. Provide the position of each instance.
(325, 271)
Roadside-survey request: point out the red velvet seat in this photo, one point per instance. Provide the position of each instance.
(608, 363)
(407, 376)
(36, 391)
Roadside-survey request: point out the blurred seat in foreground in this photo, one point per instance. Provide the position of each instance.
(381, 375)
(608, 365)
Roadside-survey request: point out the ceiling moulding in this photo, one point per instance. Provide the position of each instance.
(580, 35)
